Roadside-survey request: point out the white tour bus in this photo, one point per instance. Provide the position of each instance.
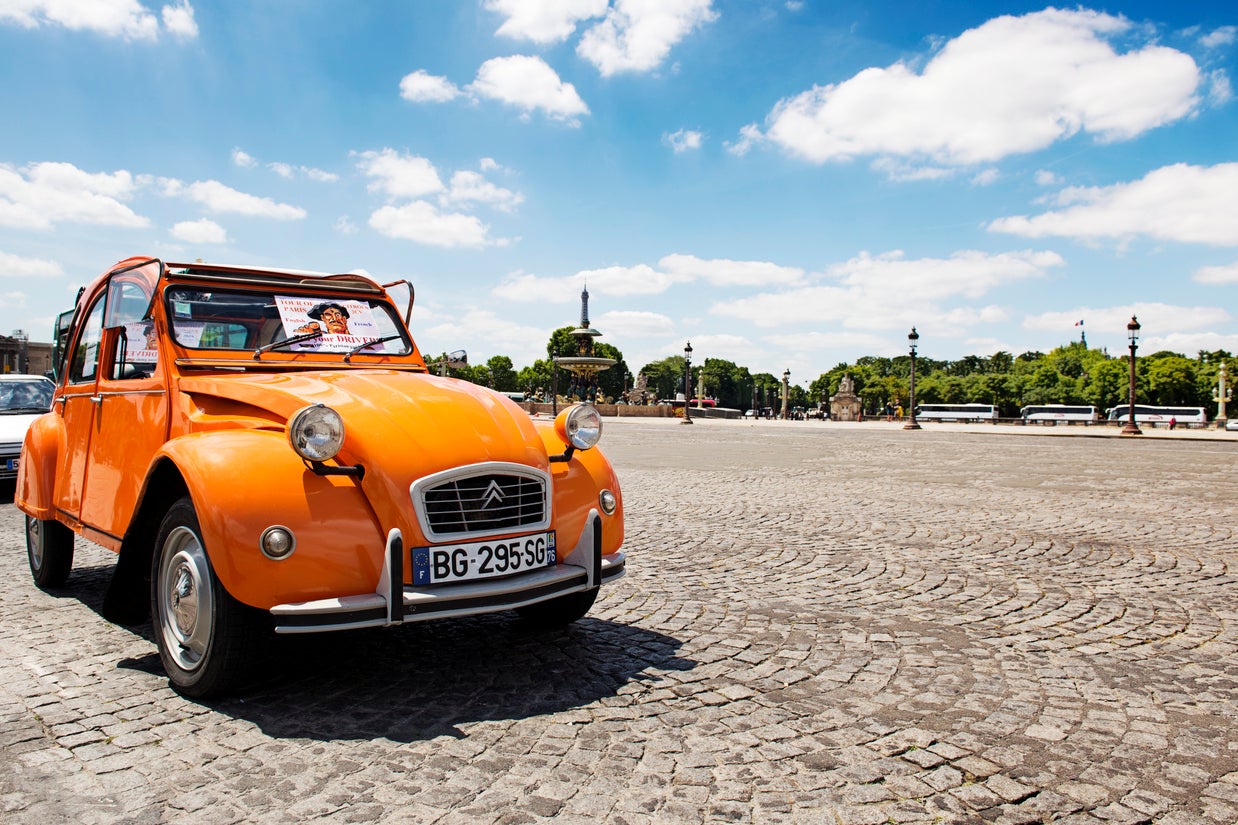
(1052, 413)
(956, 412)
(1145, 414)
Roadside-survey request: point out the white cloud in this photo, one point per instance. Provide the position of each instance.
(472, 187)
(289, 172)
(1189, 204)
(127, 19)
(724, 272)
(637, 35)
(41, 195)
(544, 21)
(614, 280)
(1046, 178)
(243, 159)
(683, 140)
(749, 136)
(1221, 275)
(632, 324)
(1160, 322)
(422, 87)
(528, 83)
(400, 175)
(1223, 36)
(421, 222)
(484, 334)
(884, 291)
(13, 266)
(179, 21)
(643, 279)
(219, 198)
(201, 231)
(1010, 86)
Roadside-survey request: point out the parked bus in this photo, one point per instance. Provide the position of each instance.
(1053, 413)
(956, 412)
(1146, 414)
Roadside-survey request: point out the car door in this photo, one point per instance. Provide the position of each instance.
(77, 407)
(130, 418)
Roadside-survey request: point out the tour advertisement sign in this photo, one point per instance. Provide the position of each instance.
(344, 324)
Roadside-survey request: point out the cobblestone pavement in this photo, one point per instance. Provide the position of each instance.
(819, 625)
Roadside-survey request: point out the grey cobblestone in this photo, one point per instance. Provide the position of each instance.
(822, 624)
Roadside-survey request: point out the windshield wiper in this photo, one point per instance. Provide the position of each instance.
(284, 342)
(26, 409)
(348, 356)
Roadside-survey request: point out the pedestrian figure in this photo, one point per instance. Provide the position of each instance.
(1173, 422)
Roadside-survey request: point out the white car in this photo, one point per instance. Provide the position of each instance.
(1231, 425)
(23, 398)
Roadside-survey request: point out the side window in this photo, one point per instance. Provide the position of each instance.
(137, 352)
(84, 364)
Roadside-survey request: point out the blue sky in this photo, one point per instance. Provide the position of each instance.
(789, 185)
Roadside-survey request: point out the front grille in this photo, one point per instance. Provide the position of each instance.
(485, 504)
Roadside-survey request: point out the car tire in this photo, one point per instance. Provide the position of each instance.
(206, 638)
(558, 612)
(49, 547)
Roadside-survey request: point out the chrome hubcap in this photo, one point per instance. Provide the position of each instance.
(185, 602)
(33, 534)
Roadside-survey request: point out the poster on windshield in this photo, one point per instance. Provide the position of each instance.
(341, 326)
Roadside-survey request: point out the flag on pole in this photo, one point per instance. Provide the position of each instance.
(1078, 323)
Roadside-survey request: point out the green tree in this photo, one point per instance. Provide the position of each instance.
(502, 375)
(1171, 381)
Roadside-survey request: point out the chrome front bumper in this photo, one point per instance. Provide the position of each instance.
(394, 602)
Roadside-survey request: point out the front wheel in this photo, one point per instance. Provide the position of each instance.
(559, 611)
(49, 546)
(205, 637)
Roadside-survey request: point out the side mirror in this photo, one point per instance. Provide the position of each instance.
(458, 360)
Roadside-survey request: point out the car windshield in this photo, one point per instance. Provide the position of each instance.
(33, 395)
(262, 320)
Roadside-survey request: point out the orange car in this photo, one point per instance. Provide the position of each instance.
(267, 449)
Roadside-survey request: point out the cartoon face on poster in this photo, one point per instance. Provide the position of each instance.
(344, 325)
(142, 343)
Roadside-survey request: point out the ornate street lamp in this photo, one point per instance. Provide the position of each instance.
(912, 338)
(786, 381)
(1224, 395)
(1132, 332)
(687, 383)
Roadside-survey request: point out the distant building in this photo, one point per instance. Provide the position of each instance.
(18, 354)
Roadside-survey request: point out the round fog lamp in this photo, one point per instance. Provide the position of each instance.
(608, 502)
(316, 433)
(580, 426)
(277, 542)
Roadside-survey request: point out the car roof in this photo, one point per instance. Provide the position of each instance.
(23, 377)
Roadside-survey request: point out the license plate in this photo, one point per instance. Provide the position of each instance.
(469, 561)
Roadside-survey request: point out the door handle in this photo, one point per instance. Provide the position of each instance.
(96, 399)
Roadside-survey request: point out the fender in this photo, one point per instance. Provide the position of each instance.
(577, 483)
(35, 492)
(339, 541)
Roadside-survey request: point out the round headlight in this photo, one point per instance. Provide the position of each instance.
(316, 433)
(608, 502)
(580, 426)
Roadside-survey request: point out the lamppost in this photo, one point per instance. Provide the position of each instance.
(1132, 332)
(687, 383)
(912, 338)
(1223, 396)
(786, 391)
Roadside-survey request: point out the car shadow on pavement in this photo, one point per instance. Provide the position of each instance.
(425, 679)
(432, 679)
